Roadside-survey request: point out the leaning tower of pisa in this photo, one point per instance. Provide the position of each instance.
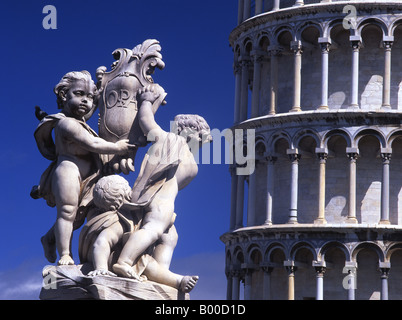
(320, 217)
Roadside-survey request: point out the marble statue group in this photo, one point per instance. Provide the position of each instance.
(128, 231)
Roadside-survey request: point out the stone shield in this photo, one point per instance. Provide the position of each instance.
(118, 89)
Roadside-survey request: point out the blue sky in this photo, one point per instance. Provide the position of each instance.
(198, 79)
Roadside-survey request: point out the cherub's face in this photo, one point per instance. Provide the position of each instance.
(78, 101)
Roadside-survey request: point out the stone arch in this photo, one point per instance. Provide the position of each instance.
(394, 247)
(254, 254)
(331, 245)
(275, 246)
(280, 31)
(302, 245)
(282, 135)
(228, 258)
(363, 132)
(305, 26)
(303, 133)
(337, 132)
(394, 26)
(260, 145)
(263, 40)
(372, 21)
(238, 256)
(393, 135)
(237, 52)
(247, 46)
(368, 245)
(328, 28)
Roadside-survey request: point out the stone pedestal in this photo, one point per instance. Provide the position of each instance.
(71, 283)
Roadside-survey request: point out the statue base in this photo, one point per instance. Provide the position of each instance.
(71, 283)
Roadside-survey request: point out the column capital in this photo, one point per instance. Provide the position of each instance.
(274, 50)
(293, 155)
(296, 47)
(386, 157)
(325, 44)
(258, 54)
(355, 42)
(322, 154)
(384, 272)
(237, 67)
(290, 266)
(270, 158)
(320, 270)
(387, 45)
(352, 153)
(387, 42)
(384, 268)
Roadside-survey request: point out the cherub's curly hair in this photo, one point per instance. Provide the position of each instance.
(110, 192)
(199, 127)
(65, 83)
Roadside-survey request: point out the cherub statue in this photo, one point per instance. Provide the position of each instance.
(167, 167)
(76, 159)
(108, 224)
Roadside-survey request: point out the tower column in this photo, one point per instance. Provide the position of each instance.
(238, 79)
(325, 44)
(352, 154)
(356, 44)
(276, 5)
(251, 199)
(386, 96)
(229, 288)
(266, 295)
(291, 269)
(255, 98)
(233, 195)
(240, 11)
(320, 269)
(322, 156)
(258, 6)
(239, 202)
(274, 52)
(244, 88)
(248, 273)
(386, 158)
(294, 157)
(247, 9)
(236, 274)
(349, 282)
(270, 188)
(384, 269)
(297, 49)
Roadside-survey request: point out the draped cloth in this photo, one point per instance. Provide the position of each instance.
(47, 147)
(159, 165)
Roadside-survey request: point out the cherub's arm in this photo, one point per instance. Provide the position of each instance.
(71, 130)
(146, 97)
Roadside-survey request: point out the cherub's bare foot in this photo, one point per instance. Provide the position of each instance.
(101, 272)
(125, 271)
(49, 249)
(66, 260)
(188, 283)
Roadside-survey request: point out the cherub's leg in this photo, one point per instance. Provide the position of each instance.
(155, 222)
(101, 251)
(154, 225)
(164, 250)
(155, 272)
(66, 189)
(49, 245)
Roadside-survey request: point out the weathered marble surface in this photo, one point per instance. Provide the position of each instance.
(72, 283)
